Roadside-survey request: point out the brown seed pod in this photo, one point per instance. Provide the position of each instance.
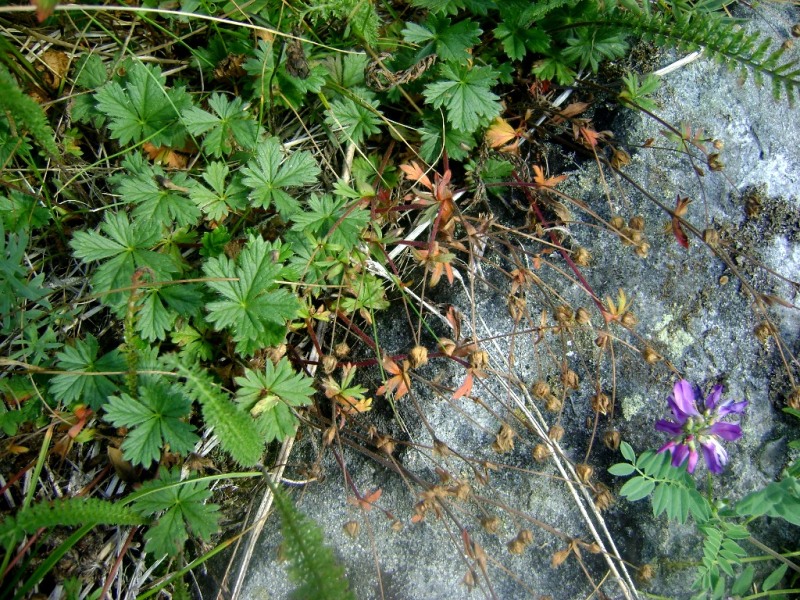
(540, 453)
(504, 440)
(341, 350)
(479, 360)
(553, 403)
(584, 472)
(715, 162)
(491, 524)
(540, 389)
(582, 316)
(711, 237)
(386, 444)
(570, 380)
(515, 546)
(603, 498)
(629, 320)
(564, 314)
(442, 449)
(763, 331)
(642, 250)
(645, 573)
(525, 536)
(601, 403)
(418, 357)
(636, 223)
(620, 158)
(352, 529)
(329, 363)
(559, 557)
(555, 433)
(611, 439)
(617, 223)
(582, 257)
(650, 356)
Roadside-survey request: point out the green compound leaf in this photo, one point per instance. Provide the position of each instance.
(269, 395)
(154, 420)
(271, 171)
(185, 509)
(637, 488)
(141, 108)
(621, 469)
(354, 120)
(229, 124)
(466, 95)
(451, 42)
(253, 307)
(78, 384)
(222, 197)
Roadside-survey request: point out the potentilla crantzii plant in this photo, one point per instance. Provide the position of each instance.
(700, 426)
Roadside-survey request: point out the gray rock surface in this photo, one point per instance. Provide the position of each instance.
(701, 324)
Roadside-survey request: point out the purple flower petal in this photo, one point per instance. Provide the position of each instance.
(729, 407)
(715, 455)
(668, 446)
(669, 427)
(682, 401)
(679, 454)
(713, 397)
(692, 461)
(727, 431)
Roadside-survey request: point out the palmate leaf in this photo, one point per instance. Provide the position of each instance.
(222, 197)
(154, 420)
(140, 107)
(590, 45)
(268, 396)
(122, 248)
(253, 306)
(354, 120)
(230, 122)
(448, 41)
(185, 509)
(271, 171)
(466, 95)
(79, 385)
(155, 197)
(334, 219)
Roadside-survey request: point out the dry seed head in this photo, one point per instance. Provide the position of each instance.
(564, 314)
(611, 439)
(724, 279)
(603, 498)
(642, 250)
(469, 580)
(636, 223)
(617, 223)
(525, 536)
(645, 574)
(787, 45)
(711, 237)
(650, 356)
(714, 162)
(516, 307)
(418, 357)
(504, 440)
(718, 145)
(582, 316)
(515, 546)
(352, 529)
(793, 399)
(386, 444)
(601, 341)
(555, 433)
(584, 472)
(341, 350)
(629, 320)
(540, 453)
(559, 557)
(491, 524)
(620, 158)
(763, 331)
(479, 360)
(601, 403)
(329, 363)
(570, 380)
(442, 449)
(540, 389)
(626, 236)
(582, 257)
(553, 403)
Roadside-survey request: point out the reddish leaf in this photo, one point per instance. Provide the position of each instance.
(44, 8)
(679, 233)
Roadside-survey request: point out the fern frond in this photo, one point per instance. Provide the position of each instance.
(720, 38)
(65, 513)
(26, 114)
(237, 432)
(312, 564)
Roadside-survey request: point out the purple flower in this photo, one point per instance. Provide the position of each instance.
(699, 425)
